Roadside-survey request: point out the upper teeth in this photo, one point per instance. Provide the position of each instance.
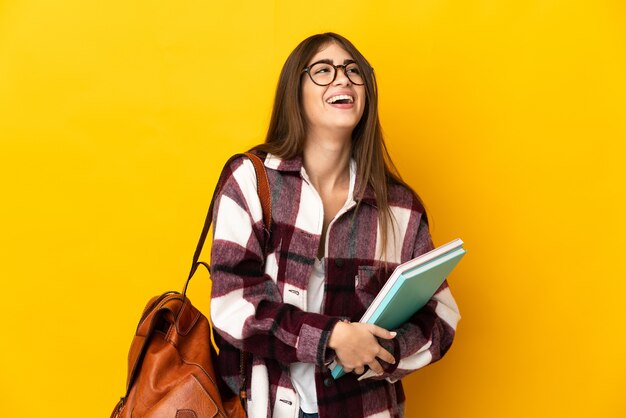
(340, 97)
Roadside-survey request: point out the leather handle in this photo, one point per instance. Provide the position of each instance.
(263, 189)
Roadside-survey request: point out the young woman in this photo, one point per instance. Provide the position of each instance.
(342, 220)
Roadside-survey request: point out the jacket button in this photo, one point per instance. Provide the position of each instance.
(339, 262)
(329, 381)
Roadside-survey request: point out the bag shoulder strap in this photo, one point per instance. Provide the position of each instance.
(140, 341)
(263, 191)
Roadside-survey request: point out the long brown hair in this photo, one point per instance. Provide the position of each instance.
(287, 129)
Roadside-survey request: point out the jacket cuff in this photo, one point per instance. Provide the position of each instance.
(312, 343)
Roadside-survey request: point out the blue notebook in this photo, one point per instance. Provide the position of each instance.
(409, 288)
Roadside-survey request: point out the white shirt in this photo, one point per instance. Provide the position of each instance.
(303, 374)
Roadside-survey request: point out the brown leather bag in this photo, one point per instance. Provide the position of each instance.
(170, 363)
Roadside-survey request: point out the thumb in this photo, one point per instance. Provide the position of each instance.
(381, 332)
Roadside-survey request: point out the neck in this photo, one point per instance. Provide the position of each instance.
(327, 161)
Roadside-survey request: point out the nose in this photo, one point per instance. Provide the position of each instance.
(341, 78)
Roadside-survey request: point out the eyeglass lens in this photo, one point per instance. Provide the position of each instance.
(324, 74)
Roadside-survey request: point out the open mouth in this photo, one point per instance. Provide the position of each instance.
(340, 99)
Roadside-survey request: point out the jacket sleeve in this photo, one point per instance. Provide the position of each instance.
(428, 335)
(246, 304)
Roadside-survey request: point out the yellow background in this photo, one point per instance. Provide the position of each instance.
(508, 117)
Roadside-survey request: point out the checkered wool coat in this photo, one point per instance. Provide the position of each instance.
(258, 303)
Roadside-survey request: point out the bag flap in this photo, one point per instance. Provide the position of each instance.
(170, 306)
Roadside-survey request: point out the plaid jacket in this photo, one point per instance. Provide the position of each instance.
(258, 303)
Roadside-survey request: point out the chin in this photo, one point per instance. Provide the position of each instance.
(341, 127)
(345, 124)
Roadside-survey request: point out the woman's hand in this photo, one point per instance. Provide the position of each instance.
(356, 346)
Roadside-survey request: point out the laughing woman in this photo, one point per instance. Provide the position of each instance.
(342, 220)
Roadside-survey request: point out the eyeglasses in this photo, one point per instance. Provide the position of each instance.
(323, 73)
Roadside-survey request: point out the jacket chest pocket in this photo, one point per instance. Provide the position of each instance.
(367, 284)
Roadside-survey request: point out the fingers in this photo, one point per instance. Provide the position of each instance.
(357, 348)
(386, 356)
(381, 332)
(374, 366)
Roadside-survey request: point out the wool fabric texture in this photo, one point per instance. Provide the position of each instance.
(258, 298)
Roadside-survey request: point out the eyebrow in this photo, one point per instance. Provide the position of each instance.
(329, 61)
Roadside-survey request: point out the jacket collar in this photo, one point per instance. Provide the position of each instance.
(276, 163)
(295, 165)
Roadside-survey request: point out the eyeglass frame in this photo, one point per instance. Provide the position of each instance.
(336, 67)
